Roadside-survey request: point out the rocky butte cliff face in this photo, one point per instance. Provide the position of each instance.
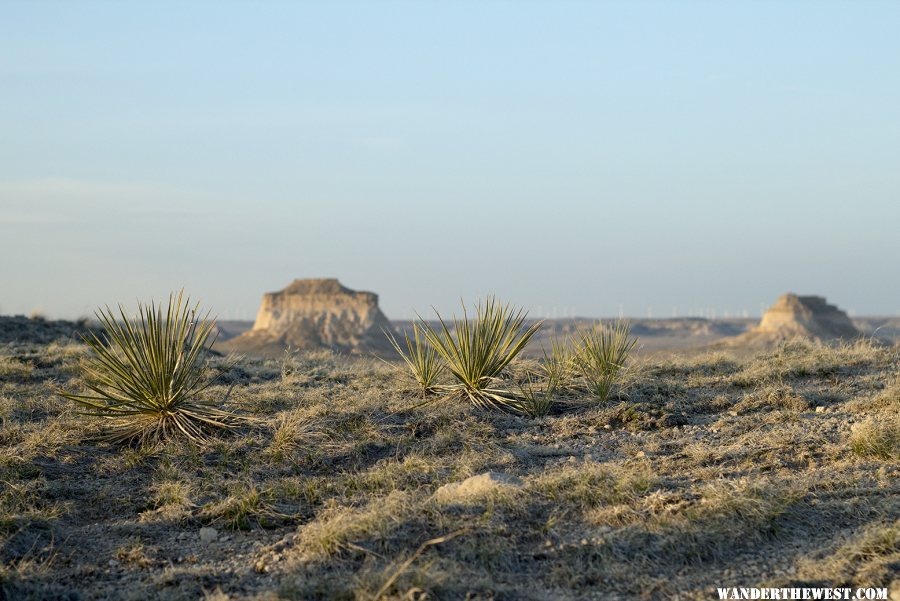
(799, 316)
(809, 316)
(315, 314)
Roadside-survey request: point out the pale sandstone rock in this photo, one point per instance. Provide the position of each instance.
(208, 535)
(476, 487)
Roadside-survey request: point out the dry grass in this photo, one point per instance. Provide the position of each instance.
(877, 437)
(712, 471)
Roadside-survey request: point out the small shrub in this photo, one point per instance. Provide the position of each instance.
(421, 359)
(601, 355)
(145, 374)
(477, 351)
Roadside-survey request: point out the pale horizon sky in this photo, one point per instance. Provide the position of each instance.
(587, 158)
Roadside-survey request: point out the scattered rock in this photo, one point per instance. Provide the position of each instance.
(208, 535)
(820, 409)
(476, 487)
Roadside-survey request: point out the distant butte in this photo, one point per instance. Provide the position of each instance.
(314, 314)
(794, 316)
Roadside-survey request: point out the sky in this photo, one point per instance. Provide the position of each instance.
(574, 158)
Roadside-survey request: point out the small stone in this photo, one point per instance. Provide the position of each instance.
(641, 454)
(208, 535)
(260, 567)
(733, 413)
(113, 563)
(894, 591)
(571, 459)
(820, 409)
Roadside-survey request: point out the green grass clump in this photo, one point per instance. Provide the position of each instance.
(601, 355)
(146, 373)
(421, 359)
(476, 351)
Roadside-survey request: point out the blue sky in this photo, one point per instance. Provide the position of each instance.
(576, 158)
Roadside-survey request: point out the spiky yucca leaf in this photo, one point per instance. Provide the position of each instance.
(420, 357)
(601, 355)
(476, 351)
(146, 373)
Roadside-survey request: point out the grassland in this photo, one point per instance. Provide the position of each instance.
(781, 470)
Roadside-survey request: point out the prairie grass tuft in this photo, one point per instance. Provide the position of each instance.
(477, 351)
(877, 438)
(421, 359)
(601, 355)
(243, 509)
(286, 435)
(146, 373)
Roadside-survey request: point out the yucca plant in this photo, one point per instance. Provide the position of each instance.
(420, 357)
(476, 351)
(146, 374)
(559, 367)
(535, 399)
(601, 355)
